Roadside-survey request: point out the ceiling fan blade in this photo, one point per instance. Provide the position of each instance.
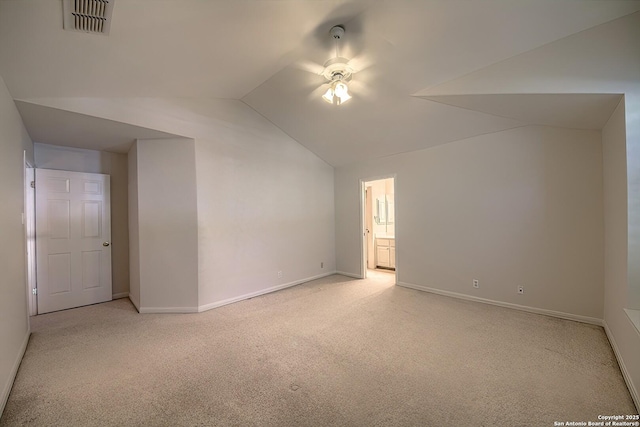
(360, 63)
(309, 66)
(359, 89)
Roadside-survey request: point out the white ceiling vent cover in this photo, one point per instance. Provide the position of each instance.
(89, 16)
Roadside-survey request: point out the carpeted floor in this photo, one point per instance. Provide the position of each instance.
(332, 352)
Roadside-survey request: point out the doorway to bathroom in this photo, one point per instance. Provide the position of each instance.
(378, 227)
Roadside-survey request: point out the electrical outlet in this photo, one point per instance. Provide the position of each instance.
(521, 289)
(476, 283)
(280, 274)
(322, 265)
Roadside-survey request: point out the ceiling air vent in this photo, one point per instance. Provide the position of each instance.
(89, 16)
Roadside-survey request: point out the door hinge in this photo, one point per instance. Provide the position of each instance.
(34, 291)
(33, 184)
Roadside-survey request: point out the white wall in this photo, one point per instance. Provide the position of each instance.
(265, 204)
(518, 207)
(632, 120)
(167, 225)
(616, 247)
(262, 197)
(14, 319)
(602, 59)
(134, 229)
(119, 225)
(113, 164)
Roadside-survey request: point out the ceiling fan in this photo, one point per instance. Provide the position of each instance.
(337, 71)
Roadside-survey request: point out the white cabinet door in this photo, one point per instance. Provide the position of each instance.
(383, 256)
(73, 235)
(382, 252)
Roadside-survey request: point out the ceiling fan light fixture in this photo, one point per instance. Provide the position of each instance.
(344, 98)
(341, 89)
(338, 71)
(328, 95)
(338, 92)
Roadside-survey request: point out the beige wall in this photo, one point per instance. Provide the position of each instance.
(264, 202)
(621, 331)
(632, 118)
(516, 208)
(167, 225)
(601, 59)
(119, 225)
(134, 229)
(113, 164)
(14, 319)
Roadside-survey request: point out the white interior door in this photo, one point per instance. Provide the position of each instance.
(73, 235)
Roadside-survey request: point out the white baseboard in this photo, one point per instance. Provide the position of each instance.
(14, 371)
(625, 372)
(158, 310)
(344, 273)
(149, 310)
(535, 310)
(120, 295)
(261, 292)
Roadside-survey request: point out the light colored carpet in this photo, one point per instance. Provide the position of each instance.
(334, 351)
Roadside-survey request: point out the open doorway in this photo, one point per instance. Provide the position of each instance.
(378, 226)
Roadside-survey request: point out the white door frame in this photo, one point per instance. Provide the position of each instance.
(368, 221)
(363, 223)
(29, 221)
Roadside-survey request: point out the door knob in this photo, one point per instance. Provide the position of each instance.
(105, 243)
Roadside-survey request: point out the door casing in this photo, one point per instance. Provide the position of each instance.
(363, 222)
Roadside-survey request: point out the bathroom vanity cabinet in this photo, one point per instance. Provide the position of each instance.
(386, 252)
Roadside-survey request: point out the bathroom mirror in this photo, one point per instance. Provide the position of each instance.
(384, 210)
(381, 209)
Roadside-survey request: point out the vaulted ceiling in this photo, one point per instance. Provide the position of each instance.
(263, 54)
